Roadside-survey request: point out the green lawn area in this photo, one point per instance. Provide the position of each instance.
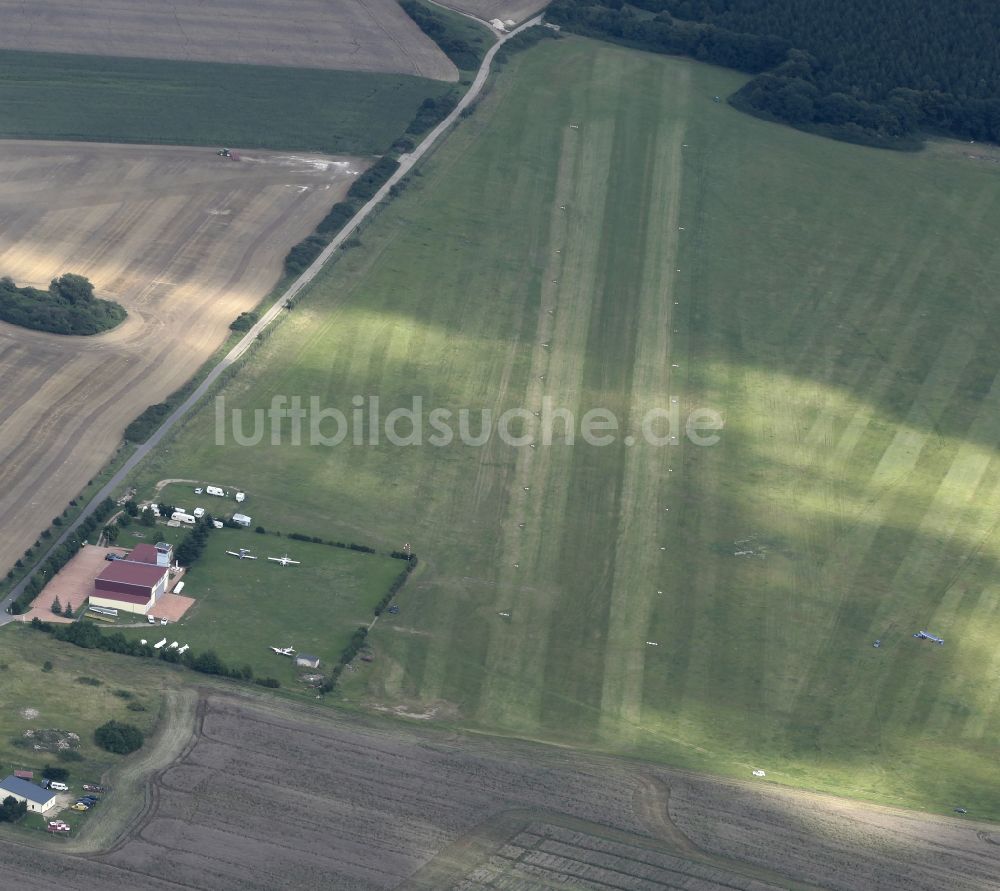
(109, 99)
(62, 702)
(244, 607)
(834, 303)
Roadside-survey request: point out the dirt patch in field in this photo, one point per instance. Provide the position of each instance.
(356, 35)
(372, 805)
(182, 238)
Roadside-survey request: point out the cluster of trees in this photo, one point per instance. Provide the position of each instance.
(12, 810)
(59, 610)
(662, 33)
(193, 545)
(465, 54)
(139, 430)
(60, 556)
(865, 72)
(431, 112)
(122, 739)
(244, 321)
(67, 307)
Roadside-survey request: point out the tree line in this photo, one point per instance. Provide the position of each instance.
(60, 556)
(464, 54)
(872, 73)
(67, 307)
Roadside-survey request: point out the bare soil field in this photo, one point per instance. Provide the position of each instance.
(183, 239)
(266, 796)
(356, 35)
(518, 10)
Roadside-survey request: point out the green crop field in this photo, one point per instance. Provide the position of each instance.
(244, 607)
(105, 99)
(835, 304)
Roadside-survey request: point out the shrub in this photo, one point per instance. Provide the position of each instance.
(122, 739)
(59, 774)
(12, 810)
(69, 755)
(244, 321)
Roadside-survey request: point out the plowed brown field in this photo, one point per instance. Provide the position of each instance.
(268, 796)
(183, 239)
(357, 35)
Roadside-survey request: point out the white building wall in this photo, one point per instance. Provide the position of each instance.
(120, 605)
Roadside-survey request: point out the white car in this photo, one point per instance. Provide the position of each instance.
(199, 490)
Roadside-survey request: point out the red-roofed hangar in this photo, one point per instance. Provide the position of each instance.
(130, 585)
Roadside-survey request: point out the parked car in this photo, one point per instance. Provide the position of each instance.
(78, 806)
(91, 787)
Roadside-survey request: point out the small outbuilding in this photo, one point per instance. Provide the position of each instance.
(37, 798)
(304, 660)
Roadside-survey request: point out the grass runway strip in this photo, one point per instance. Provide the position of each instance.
(831, 303)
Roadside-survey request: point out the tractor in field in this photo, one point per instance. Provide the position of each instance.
(228, 153)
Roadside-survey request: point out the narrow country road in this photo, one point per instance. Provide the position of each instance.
(406, 163)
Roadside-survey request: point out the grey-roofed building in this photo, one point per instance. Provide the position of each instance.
(38, 799)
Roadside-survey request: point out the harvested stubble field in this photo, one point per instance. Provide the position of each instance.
(183, 239)
(355, 35)
(268, 796)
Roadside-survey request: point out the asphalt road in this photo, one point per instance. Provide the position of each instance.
(406, 163)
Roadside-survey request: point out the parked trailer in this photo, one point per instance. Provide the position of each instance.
(98, 617)
(178, 587)
(215, 490)
(181, 517)
(159, 644)
(104, 610)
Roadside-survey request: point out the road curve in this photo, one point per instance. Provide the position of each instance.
(406, 163)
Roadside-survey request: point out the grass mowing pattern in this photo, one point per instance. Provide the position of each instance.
(106, 99)
(832, 301)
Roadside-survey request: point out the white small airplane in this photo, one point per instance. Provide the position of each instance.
(284, 651)
(242, 554)
(285, 561)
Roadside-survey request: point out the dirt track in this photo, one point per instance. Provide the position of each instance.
(183, 239)
(266, 795)
(357, 35)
